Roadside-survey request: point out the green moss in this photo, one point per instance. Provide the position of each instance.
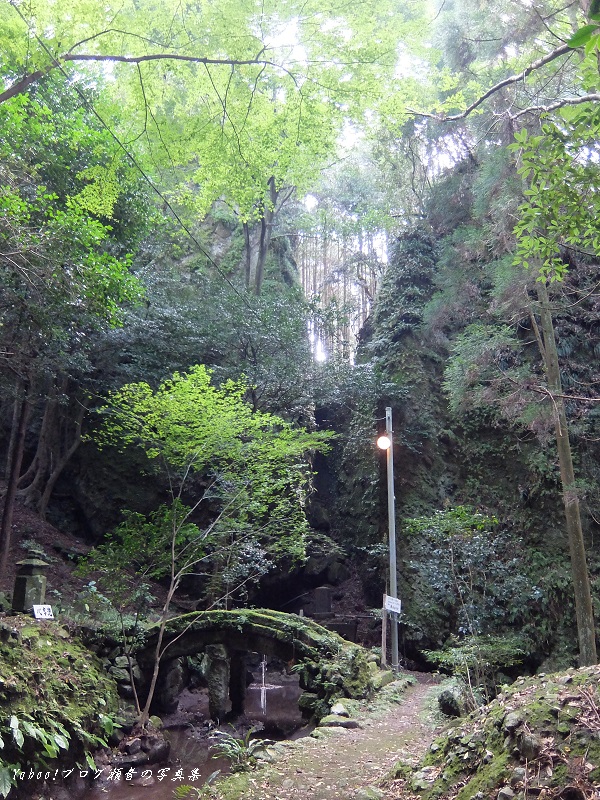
(328, 665)
(487, 778)
(401, 770)
(560, 775)
(233, 787)
(56, 697)
(480, 752)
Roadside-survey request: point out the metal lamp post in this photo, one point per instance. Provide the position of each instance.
(386, 443)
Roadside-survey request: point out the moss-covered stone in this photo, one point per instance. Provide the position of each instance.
(56, 698)
(335, 721)
(540, 732)
(382, 678)
(328, 665)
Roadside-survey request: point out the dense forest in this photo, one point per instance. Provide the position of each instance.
(231, 235)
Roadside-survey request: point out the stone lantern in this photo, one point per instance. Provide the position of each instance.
(30, 583)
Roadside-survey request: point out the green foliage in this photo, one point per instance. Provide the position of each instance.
(265, 104)
(101, 282)
(197, 792)
(253, 466)
(561, 211)
(553, 605)
(404, 293)
(477, 356)
(240, 751)
(588, 36)
(58, 703)
(142, 544)
(119, 600)
(192, 316)
(466, 576)
(476, 661)
(266, 340)
(65, 265)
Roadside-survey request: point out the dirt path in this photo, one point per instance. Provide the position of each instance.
(345, 761)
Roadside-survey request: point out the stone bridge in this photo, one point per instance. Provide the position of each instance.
(329, 667)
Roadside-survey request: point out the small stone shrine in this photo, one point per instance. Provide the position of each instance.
(30, 583)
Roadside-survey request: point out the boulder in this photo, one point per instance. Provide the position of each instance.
(159, 752)
(529, 746)
(134, 745)
(339, 710)
(505, 793)
(334, 721)
(382, 678)
(512, 722)
(452, 702)
(369, 793)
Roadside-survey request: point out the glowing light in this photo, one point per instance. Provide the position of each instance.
(320, 353)
(384, 442)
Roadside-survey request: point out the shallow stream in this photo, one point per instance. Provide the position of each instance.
(272, 707)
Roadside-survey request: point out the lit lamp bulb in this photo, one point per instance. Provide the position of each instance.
(384, 442)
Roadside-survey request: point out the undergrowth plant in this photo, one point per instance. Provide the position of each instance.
(57, 704)
(30, 745)
(476, 661)
(240, 751)
(467, 577)
(195, 792)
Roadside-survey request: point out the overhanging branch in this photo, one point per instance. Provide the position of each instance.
(566, 101)
(512, 79)
(27, 80)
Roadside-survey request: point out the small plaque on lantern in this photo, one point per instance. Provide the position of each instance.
(43, 612)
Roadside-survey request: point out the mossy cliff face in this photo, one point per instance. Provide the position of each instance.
(479, 452)
(56, 701)
(539, 737)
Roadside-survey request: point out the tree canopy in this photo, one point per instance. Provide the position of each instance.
(253, 463)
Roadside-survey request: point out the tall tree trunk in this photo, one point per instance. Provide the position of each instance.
(277, 199)
(13, 480)
(581, 581)
(31, 480)
(248, 248)
(266, 230)
(68, 450)
(13, 434)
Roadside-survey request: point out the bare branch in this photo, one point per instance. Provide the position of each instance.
(21, 85)
(553, 396)
(541, 62)
(566, 101)
(169, 57)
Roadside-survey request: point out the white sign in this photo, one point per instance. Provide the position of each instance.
(43, 612)
(393, 604)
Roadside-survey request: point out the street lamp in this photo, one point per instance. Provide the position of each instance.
(386, 443)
